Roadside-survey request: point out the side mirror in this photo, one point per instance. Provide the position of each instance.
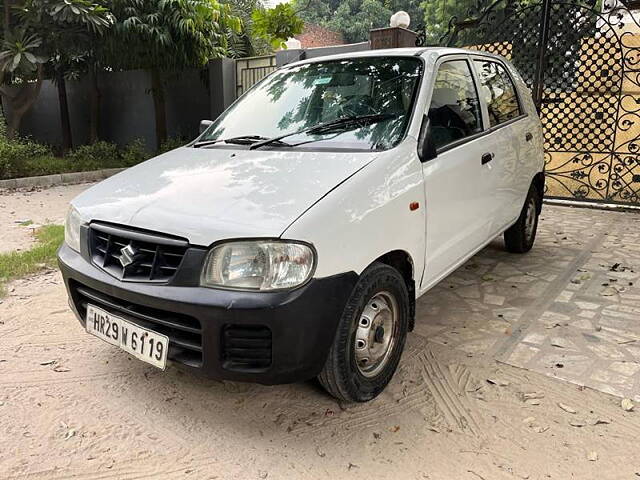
(204, 124)
(426, 147)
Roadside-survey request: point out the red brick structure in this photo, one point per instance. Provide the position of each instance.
(316, 36)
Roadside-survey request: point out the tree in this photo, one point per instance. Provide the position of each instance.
(69, 31)
(438, 14)
(41, 37)
(277, 24)
(21, 73)
(354, 18)
(245, 43)
(369, 14)
(168, 35)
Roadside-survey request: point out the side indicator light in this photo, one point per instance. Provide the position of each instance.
(414, 206)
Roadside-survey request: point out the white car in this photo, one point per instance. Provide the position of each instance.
(291, 239)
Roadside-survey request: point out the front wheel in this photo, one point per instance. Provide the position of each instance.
(370, 337)
(520, 236)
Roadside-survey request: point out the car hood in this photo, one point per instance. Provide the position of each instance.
(210, 194)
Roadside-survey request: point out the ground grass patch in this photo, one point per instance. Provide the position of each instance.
(19, 264)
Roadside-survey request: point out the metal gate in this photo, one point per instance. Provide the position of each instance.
(251, 70)
(582, 63)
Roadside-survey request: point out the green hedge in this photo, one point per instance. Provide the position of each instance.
(25, 158)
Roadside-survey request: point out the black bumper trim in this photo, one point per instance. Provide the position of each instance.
(302, 322)
(101, 299)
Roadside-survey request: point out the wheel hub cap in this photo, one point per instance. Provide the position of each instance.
(375, 333)
(530, 220)
(379, 335)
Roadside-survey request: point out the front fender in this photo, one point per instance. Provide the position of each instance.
(369, 215)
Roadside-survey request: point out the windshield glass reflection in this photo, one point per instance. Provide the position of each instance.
(296, 98)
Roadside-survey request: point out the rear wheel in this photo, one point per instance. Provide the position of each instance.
(370, 337)
(520, 236)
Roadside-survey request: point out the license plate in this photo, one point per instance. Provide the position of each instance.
(147, 345)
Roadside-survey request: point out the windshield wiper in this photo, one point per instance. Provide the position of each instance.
(241, 140)
(338, 125)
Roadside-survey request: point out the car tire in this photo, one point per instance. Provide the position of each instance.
(519, 238)
(370, 337)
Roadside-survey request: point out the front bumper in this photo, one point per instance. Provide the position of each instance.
(262, 337)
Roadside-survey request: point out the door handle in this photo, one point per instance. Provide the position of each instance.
(528, 137)
(486, 158)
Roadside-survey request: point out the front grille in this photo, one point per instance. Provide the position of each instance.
(131, 255)
(184, 331)
(246, 347)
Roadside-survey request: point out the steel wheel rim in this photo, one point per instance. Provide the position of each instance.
(376, 334)
(530, 219)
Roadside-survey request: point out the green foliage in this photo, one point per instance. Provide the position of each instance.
(238, 45)
(354, 18)
(73, 15)
(88, 14)
(25, 158)
(44, 165)
(15, 156)
(370, 14)
(134, 153)
(438, 14)
(169, 34)
(19, 264)
(3, 127)
(277, 24)
(19, 53)
(94, 156)
(45, 37)
(172, 143)
(56, 32)
(245, 43)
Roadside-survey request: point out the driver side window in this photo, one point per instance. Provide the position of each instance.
(455, 109)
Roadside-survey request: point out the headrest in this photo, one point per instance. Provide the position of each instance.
(444, 96)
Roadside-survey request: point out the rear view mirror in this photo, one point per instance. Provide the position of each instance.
(204, 124)
(426, 147)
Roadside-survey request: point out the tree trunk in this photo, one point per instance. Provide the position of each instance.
(65, 123)
(6, 26)
(13, 124)
(6, 30)
(20, 102)
(159, 106)
(94, 106)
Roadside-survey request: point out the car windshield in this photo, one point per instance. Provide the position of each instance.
(297, 98)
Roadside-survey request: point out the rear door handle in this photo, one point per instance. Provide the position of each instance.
(528, 137)
(486, 158)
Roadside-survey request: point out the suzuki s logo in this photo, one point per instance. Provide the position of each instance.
(127, 255)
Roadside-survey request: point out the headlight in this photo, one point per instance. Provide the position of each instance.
(72, 229)
(258, 265)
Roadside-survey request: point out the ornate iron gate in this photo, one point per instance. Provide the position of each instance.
(582, 62)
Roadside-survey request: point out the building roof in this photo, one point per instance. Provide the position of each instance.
(316, 36)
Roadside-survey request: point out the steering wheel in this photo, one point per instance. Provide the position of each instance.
(357, 105)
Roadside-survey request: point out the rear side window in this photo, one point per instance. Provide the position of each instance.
(455, 109)
(498, 92)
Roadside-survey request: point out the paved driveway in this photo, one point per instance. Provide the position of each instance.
(569, 309)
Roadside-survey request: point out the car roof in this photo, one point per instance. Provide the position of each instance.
(395, 52)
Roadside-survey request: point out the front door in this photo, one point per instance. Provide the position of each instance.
(457, 182)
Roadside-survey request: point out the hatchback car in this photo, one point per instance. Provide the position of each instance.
(291, 239)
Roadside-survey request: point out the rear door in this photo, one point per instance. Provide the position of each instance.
(507, 125)
(458, 181)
